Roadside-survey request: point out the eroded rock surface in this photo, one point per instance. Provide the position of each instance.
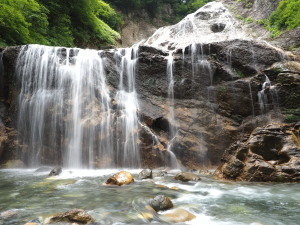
(271, 153)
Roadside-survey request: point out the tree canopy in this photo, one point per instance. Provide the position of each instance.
(56, 22)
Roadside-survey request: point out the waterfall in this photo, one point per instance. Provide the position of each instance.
(66, 114)
(127, 124)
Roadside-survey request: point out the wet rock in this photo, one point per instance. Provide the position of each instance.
(8, 214)
(145, 174)
(161, 202)
(217, 27)
(271, 153)
(177, 216)
(55, 171)
(120, 178)
(72, 216)
(13, 164)
(187, 176)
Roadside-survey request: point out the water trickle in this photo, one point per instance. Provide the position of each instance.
(1, 74)
(267, 97)
(171, 116)
(65, 110)
(251, 97)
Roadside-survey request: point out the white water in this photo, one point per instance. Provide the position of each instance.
(127, 124)
(196, 27)
(65, 108)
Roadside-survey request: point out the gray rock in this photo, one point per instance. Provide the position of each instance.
(145, 174)
(187, 176)
(55, 171)
(161, 202)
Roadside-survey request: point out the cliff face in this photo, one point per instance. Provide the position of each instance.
(213, 107)
(194, 101)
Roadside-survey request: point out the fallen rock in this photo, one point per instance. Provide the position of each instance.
(120, 178)
(72, 216)
(187, 176)
(145, 174)
(177, 216)
(161, 202)
(55, 171)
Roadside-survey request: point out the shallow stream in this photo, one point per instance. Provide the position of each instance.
(33, 195)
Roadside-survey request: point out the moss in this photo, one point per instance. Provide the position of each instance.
(239, 73)
(292, 115)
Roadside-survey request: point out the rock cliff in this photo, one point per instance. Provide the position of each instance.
(225, 93)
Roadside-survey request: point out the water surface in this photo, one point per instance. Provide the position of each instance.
(33, 195)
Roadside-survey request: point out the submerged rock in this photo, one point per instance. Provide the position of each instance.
(145, 174)
(120, 178)
(34, 222)
(55, 171)
(8, 214)
(161, 202)
(187, 176)
(271, 153)
(73, 215)
(177, 216)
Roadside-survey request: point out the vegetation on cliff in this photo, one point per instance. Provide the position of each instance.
(286, 17)
(56, 22)
(180, 7)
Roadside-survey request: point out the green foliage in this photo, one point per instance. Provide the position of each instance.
(292, 115)
(57, 22)
(22, 21)
(286, 17)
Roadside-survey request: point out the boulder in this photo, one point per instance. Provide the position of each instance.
(177, 216)
(55, 171)
(145, 174)
(271, 153)
(120, 178)
(72, 216)
(187, 176)
(161, 202)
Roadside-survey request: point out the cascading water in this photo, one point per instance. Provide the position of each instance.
(126, 97)
(65, 110)
(263, 96)
(212, 22)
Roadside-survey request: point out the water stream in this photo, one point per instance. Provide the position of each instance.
(32, 195)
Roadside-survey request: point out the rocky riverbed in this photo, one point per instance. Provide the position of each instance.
(81, 196)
